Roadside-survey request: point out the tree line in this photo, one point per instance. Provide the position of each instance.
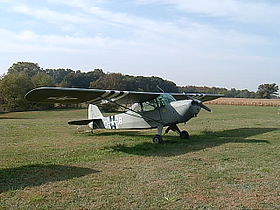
(22, 77)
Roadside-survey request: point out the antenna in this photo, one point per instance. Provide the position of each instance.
(160, 89)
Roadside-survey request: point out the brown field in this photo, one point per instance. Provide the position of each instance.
(245, 102)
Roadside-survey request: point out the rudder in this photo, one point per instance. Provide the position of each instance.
(94, 112)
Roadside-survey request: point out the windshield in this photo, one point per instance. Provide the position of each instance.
(165, 99)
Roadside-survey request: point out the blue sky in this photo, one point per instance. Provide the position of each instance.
(224, 43)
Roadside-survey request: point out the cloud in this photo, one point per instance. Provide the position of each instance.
(89, 33)
(71, 3)
(242, 11)
(28, 41)
(91, 16)
(197, 59)
(48, 15)
(149, 36)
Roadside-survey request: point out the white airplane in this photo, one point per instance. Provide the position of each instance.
(148, 110)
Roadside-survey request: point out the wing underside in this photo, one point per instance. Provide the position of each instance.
(95, 96)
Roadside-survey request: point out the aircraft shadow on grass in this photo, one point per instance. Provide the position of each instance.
(36, 175)
(12, 118)
(173, 145)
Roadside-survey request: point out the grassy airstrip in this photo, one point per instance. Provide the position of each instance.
(231, 161)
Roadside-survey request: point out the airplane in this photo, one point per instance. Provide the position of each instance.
(143, 110)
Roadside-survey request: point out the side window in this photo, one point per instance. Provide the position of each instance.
(149, 105)
(146, 106)
(161, 101)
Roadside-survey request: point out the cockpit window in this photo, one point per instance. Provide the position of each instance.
(160, 101)
(165, 99)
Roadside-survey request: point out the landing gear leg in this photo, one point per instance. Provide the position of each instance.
(183, 134)
(158, 138)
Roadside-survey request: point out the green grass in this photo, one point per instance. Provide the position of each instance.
(231, 161)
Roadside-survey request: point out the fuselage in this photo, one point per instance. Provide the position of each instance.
(163, 111)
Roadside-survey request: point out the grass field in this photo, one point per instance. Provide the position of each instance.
(231, 161)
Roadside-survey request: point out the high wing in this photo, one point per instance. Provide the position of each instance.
(199, 96)
(80, 95)
(95, 96)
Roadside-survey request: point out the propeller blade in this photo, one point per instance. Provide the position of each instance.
(200, 104)
(205, 107)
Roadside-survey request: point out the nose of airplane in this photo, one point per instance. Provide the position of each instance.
(201, 105)
(195, 108)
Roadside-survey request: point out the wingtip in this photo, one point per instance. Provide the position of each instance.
(28, 95)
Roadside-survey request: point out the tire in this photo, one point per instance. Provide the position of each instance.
(184, 135)
(157, 139)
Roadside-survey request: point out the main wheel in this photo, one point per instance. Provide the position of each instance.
(158, 139)
(184, 135)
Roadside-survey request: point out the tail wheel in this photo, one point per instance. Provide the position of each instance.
(184, 135)
(158, 139)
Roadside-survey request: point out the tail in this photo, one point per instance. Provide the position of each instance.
(94, 112)
(95, 118)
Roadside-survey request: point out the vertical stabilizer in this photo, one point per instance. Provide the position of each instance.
(96, 116)
(94, 112)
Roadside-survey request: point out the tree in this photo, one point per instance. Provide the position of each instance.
(13, 88)
(111, 81)
(41, 79)
(246, 94)
(58, 75)
(70, 78)
(118, 81)
(267, 90)
(204, 89)
(152, 84)
(94, 75)
(1, 97)
(27, 67)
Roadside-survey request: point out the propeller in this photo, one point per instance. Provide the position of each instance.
(199, 103)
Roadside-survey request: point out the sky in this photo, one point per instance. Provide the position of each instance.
(221, 43)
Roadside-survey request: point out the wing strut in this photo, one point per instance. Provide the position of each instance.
(128, 109)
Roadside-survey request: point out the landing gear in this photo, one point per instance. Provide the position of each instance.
(158, 139)
(183, 134)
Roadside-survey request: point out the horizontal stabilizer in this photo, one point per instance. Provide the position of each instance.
(93, 123)
(80, 122)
